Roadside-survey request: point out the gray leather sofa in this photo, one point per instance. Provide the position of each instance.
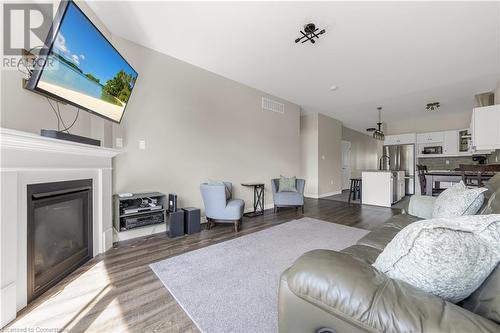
(329, 291)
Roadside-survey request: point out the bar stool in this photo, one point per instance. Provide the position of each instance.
(355, 189)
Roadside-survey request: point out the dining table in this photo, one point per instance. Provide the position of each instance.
(435, 177)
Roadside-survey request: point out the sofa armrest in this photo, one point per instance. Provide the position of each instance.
(421, 206)
(357, 293)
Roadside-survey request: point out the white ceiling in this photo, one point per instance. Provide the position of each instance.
(400, 55)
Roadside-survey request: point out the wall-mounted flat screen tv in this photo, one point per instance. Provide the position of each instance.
(82, 68)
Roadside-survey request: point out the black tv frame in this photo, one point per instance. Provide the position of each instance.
(45, 51)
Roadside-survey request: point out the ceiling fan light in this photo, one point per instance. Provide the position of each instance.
(433, 106)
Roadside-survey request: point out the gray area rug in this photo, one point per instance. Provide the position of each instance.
(232, 286)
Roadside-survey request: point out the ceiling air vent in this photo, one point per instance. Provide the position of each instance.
(270, 105)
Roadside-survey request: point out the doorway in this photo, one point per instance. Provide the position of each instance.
(346, 164)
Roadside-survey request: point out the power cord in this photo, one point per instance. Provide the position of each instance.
(57, 115)
(74, 121)
(28, 71)
(60, 119)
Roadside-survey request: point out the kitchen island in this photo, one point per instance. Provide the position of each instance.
(382, 187)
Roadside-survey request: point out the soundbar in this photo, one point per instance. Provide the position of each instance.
(69, 137)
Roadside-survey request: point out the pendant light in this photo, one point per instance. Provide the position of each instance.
(378, 134)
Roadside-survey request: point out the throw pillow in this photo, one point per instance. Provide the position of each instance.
(287, 184)
(458, 200)
(448, 257)
(493, 205)
(226, 187)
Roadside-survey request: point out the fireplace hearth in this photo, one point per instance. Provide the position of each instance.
(59, 232)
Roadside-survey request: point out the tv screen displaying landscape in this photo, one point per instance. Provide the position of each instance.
(84, 69)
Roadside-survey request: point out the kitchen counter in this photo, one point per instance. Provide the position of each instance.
(382, 187)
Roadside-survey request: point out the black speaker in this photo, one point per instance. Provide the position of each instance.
(176, 223)
(192, 217)
(172, 202)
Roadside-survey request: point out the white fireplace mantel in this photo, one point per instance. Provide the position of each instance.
(28, 158)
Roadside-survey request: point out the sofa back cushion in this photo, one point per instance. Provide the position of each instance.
(493, 204)
(493, 185)
(485, 301)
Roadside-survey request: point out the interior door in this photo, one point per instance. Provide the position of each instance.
(346, 164)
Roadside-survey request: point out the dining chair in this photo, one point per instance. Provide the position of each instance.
(422, 170)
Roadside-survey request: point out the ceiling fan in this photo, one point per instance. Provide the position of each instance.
(432, 106)
(310, 32)
(377, 131)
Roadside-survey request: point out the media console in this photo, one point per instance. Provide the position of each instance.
(139, 210)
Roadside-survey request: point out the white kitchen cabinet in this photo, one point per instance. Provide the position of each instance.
(382, 188)
(450, 144)
(377, 188)
(430, 137)
(485, 127)
(400, 139)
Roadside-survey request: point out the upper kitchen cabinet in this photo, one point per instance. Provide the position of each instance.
(430, 137)
(485, 127)
(400, 139)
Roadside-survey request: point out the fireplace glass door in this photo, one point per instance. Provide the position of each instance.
(59, 232)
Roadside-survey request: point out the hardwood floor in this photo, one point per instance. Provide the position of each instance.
(118, 292)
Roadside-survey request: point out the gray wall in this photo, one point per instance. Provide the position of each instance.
(329, 159)
(309, 153)
(364, 151)
(320, 138)
(199, 126)
(431, 122)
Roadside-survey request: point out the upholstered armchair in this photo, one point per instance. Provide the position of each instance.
(288, 199)
(220, 207)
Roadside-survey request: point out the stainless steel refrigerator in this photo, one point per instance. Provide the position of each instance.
(401, 158)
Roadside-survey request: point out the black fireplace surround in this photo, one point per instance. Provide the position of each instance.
(59, 232)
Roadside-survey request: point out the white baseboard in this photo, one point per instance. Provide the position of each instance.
(319, 196)
(8, 301)
(329, 194)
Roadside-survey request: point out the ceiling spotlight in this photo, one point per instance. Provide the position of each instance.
(333, 88)
(309, 33)
(432, 106)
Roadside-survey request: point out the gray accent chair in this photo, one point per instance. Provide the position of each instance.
(288, 199)
(220, 209)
